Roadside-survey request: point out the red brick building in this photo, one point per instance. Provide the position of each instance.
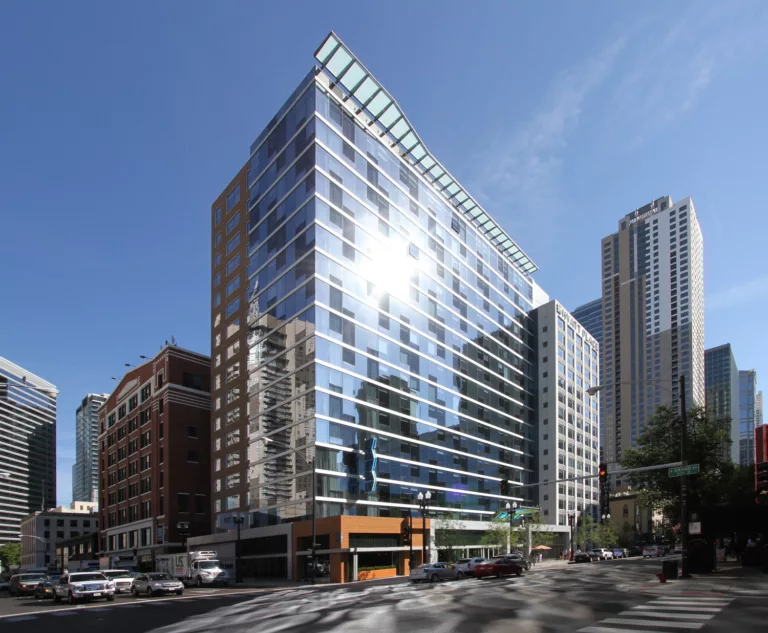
(154, 446)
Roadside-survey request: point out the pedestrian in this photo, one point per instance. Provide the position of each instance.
(541, 557)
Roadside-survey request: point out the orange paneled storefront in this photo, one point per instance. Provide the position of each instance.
(358, 548)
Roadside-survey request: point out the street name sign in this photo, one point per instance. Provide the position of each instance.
(679, 471)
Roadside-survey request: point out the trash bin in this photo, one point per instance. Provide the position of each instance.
(669, 569)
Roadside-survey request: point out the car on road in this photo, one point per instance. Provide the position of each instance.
(433, 572)
(24, 584)
(122, 578)
(156, 583)
(499, 566)
(44, 589)
(520, 560)
(653, 551)
(602, 554)
(635, 551)
(467, 565)
(4, 584)
(582, 557)
(621, 553)
(86, 585)
(678, 549)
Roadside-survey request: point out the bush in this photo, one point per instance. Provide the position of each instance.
(359, 569)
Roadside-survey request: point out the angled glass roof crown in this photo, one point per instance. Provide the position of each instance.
(370, 96)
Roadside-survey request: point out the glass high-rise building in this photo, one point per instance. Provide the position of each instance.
(28, 447)
(590, 315)
(85, 470)
(722, 392)
(747, 415)
(370, 321)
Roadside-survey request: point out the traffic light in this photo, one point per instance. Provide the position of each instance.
(406, 534)
(504, 488)
(603, 473)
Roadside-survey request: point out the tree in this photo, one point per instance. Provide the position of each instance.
(538, 536)
(708, 445)
(10, 554)
(498, 534)
(447, 537)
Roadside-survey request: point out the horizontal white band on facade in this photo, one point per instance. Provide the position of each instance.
(419, 442)
(406, 506)
(412, 418)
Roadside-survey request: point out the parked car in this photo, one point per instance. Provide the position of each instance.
(635, 551)
(467, 565)
(652, 551)
(499, 566)
(621, 553)
(520, 560)
(156, 583)
(44, 589)
(24, 584)
(4, 584)
(122, 578)
(85, 585)
(582, 557)
(678, 549)
(605, 554)
(433, 572)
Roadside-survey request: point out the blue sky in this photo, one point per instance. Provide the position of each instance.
(121, 122)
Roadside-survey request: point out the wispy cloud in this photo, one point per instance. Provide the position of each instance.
(735, 296)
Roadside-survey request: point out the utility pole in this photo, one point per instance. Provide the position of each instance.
(684, 480)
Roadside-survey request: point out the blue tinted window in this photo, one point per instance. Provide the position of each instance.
(233, 197)
(233, 243)
(233, 222)
(233, 307)
(233, 263)
(217, 216)
(217, 300)
(233, 285)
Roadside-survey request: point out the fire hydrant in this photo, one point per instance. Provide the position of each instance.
(662, 578)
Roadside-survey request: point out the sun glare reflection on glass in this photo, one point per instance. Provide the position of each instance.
(390, 268)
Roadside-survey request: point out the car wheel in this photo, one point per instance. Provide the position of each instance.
(150, 593)
(110, 598)
(179, 592)
(459, 576)
(56, 597)
(415, 582)
(70, 598)
(199, 582)
(499, 574)
(433, 578)
(134, 593)
(519, 572)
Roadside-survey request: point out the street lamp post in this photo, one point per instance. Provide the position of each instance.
(511, 515)
(606, 516)
(238, 519)
(267, 440)
(683, 481)
(424, 508)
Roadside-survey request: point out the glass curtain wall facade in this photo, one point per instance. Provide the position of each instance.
(85, 470)
(27, 447)
(390, 351)
(747, 416)
(722, 393)
(590, 315)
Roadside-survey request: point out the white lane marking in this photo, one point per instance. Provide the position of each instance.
(662, 607)
(612, 629)
(21, 618)
(665, 623)
(682, 616)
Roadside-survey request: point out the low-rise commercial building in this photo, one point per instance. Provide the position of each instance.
(41, 533)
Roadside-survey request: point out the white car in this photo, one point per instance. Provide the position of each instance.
(602, 553)
(85, 585)
(466, 565)
(122, 578)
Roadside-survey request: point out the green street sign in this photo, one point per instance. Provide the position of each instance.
(679, 471)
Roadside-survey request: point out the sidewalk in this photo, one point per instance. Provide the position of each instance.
(549, 564)
(730, 578)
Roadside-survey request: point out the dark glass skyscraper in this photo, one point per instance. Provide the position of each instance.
(590, 315)
(721, 378)
(389, 347)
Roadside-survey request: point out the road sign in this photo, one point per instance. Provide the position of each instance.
(679, 471)
(694, 527)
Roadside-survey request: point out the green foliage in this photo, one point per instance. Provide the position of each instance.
(708, 445)
(590, 532)
(539, 537)
(448, 536)
(10, 554)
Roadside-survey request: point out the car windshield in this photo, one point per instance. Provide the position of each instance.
(209, 564)
(118, 573)
(86, 577)
(463, 560)
(161, 577)
(27, 578)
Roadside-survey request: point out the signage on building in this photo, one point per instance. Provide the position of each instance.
(371, 465)
(694, 527)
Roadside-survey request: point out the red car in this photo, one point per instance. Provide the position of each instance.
(499, 566)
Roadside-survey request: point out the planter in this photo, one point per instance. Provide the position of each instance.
(372, 574)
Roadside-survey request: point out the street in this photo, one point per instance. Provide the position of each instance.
(602, 597)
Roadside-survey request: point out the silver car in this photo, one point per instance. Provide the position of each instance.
(122, 578)
(433, 572)
(155, 584)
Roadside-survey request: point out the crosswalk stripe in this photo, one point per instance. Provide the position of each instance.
(682, 616)
(678, 607)
(666, 623)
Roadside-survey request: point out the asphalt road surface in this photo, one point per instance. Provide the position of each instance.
(609, 597)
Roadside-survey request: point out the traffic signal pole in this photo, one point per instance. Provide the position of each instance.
(683, 482)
